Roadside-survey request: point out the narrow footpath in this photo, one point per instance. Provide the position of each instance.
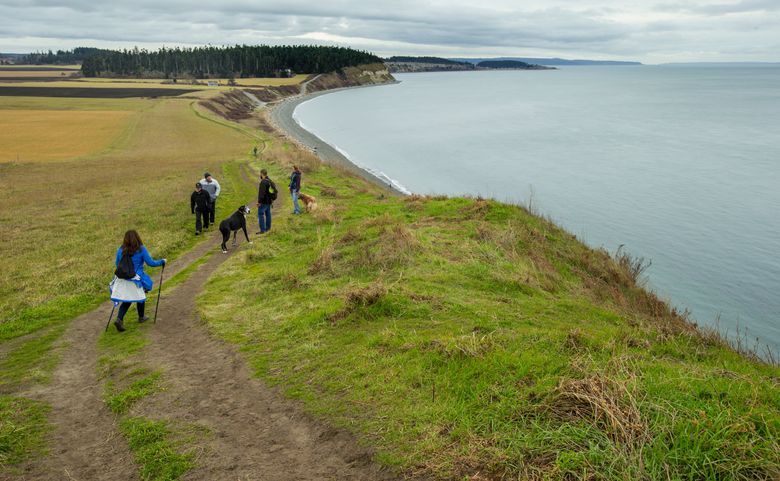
(254, 432)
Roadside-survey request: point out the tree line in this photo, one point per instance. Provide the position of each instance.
(60, 57)
(223, 62)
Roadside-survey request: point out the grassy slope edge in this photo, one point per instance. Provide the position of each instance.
(466, 338)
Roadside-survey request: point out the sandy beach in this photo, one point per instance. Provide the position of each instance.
(281, 116)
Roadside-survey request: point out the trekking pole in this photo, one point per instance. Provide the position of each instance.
(157, 306)
(113, 306)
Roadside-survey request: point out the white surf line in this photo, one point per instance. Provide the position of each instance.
(376, 173)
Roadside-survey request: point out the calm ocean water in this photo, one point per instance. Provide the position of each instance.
(679, 164)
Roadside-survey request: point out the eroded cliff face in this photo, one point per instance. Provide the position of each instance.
(370, 74)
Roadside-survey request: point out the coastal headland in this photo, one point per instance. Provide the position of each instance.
(374, 336)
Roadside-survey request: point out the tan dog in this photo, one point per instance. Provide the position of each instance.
(309, 201)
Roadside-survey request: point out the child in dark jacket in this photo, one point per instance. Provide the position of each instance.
(200, 203)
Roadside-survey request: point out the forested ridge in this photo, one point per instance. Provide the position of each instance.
(219, 62)
(60, 57)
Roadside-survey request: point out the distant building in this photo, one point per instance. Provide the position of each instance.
(213, 83)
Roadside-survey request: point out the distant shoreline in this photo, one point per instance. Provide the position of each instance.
(281, 116)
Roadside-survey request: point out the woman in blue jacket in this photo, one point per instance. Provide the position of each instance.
(134, 247)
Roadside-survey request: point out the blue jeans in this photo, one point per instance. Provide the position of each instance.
(297, 208)
(264, 217)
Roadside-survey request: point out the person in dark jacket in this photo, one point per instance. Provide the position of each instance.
(200, 205)
(133, 246)
(295, 188)
(264, 201)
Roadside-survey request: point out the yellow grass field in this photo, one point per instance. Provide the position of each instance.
(83, 206)
(36, 74)
(51, 135)
(72, 103)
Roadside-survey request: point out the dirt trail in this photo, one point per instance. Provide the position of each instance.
(85, 443)
(256, 433)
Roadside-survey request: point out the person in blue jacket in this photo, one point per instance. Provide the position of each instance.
(133, 246)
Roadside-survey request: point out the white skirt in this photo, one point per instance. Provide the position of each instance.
(124, 290)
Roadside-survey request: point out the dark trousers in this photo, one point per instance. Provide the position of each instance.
(126, 305)
(264, 217)
(201, 219)
(212, 210)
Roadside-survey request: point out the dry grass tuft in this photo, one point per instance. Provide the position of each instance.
(365, 296)
(607, 401)
(396, 244)
(325, 214)
(632, 267)
(415, 202)
(293, 281)
(350, 238)
(324, 263)
(329, 192)
(574, 340)
(468, 345)
(478, 209)
(357, 298)
(507, 240)
(380, 220)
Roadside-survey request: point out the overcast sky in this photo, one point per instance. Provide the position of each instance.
(651, 31)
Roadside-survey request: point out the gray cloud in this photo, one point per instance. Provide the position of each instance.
(696, 30)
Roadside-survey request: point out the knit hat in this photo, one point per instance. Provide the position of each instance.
(197, 185)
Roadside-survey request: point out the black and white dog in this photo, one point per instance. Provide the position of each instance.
(233, 224)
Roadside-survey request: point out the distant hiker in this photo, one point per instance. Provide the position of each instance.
(200, 205)
(211, 186)
(266, 195)
(295, 188)
(254, 151)
(131, 283)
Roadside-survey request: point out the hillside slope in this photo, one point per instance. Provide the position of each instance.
(466, 338)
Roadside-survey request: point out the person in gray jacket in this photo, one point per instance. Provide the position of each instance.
(210, 185)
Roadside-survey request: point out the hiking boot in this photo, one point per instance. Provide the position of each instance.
(119, 325)
(143, 319)
(197, 232)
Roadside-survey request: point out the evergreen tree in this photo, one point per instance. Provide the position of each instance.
(223, 62)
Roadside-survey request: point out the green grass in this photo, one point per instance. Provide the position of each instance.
(30, 362)
(120, 401)
(22, 429)
(158, 449)
(155, 450)
(468, 338)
